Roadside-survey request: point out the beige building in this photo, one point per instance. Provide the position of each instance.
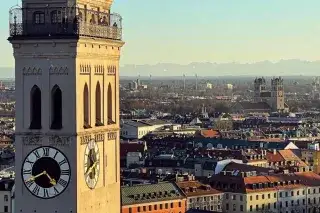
(278, 193)
(200, 196)
(67, 105)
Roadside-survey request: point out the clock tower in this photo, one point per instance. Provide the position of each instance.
(67, 106)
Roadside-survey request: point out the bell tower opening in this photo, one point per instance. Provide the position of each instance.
(56, 114)
(35, 108)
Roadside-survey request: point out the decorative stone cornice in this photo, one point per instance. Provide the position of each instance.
(100, 130)
(34, 140)
(46, 56)
(60, 141)
(102, 56)
(58, 71)
(31, 71)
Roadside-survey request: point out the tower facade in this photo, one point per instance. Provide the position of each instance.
(67, 106)
(277, 94)
(259, 86)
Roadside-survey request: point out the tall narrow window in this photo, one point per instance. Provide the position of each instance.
(56, 107)
(56, 17)
(35, 108)
(86, 121)
(110, 106)
(39, 17)
(98, 106)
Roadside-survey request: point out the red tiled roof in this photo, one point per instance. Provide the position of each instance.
(309, 178)
(271, 157)
(244, 184)
(201, 189)
(255, 179)
(266, 139)
(288, 155)
(210, 133)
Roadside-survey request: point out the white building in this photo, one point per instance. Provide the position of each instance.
(137, 129)
(6, 195)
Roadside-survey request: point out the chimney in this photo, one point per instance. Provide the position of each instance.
(6, 186)
(274, 151)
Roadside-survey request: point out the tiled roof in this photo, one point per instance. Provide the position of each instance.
(130, 147)
(255, 179)
(288, 155)
(154, 122)
(272, 182)
(245, 168)
(309, 178)
(258, 105)
(150, 193)
(195, 188)
(274, 157)
(210, 133)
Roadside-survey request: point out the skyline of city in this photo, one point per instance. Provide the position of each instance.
(215, 31)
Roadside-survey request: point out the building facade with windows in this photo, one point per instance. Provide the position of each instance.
(6, 195)
(201, 196)
(163, 197)
(279, 193)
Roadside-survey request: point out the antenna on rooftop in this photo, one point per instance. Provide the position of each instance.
(196, 82)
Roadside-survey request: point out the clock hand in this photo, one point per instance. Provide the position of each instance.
(93, 165)
(32, 178)
(52, 180)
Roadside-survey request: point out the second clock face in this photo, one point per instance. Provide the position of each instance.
(46, 172)
(91, 164)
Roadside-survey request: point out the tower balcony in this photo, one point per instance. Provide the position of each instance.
(70, 22)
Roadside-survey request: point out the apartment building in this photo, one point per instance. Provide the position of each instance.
(6, 195)
(163, 197)
(200, 196)
(281, 193)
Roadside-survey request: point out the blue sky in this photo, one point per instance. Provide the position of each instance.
(185, 31)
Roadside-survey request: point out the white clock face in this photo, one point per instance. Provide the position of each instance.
(46, 172)
(91, 164)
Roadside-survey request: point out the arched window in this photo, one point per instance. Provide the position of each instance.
(56, 108)
(110, 106)
(35, 108)
(98, 106)
(86, 115)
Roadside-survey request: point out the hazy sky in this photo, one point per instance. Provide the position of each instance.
(184, 31)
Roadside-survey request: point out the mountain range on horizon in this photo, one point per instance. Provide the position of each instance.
(263, 68)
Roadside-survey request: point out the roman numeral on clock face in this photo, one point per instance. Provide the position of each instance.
(45, 193)
(27, 172)
(63, 182)
(36, 153)
(46, 151)
(62, 162)
(65, 172)
(36, 190)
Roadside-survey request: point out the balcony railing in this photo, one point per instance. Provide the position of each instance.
(64, 22)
